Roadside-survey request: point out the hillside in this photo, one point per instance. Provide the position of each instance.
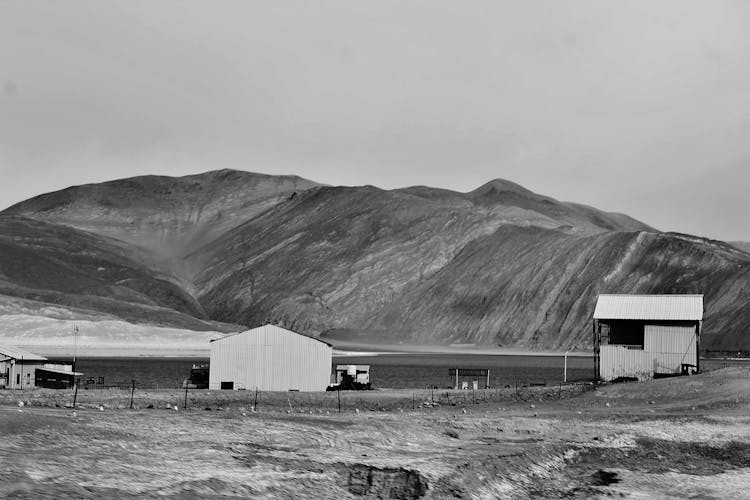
(499, 265)
(169, 216)
(54, 264)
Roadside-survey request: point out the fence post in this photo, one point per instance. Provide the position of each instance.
(132, 390)
(75, 396)
(186, 391)
(338, 396)
(255, 403)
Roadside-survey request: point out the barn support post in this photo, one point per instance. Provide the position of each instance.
(698, 347)
(596, 340)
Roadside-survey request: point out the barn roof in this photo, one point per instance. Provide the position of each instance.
(650, 307)
(16, 353)
(253, 330)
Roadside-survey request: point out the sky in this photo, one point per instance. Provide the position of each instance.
(639, 107)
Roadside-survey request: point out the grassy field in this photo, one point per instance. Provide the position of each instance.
(670, 438)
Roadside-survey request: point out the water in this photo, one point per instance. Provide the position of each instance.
(164, 373)
(390, 370)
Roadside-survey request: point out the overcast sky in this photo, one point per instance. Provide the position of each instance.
(641, 107)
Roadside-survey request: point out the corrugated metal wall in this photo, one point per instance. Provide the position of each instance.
(271, 359)
(671, 345)
(665, 349)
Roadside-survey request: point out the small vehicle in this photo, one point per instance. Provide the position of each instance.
(198, 377)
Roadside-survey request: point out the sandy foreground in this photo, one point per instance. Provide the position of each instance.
(685, 437)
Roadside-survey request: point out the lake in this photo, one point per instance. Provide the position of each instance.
(386, 370)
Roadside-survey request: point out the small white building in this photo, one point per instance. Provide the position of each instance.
(270, 358)
(642, 336)
(18, 368)
(21, 369)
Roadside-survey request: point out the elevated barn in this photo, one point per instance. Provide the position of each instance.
(643, 336)
(270, 358)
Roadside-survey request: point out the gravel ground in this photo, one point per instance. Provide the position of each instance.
(674, 438)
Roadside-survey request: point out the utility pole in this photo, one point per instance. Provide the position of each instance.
(75, 343)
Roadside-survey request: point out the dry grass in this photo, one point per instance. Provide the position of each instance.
(293, 447)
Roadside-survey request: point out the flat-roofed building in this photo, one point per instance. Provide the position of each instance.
(18, 368)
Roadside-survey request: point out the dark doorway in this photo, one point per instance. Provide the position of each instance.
(227, 386)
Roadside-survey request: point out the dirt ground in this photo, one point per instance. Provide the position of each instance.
(686, 437)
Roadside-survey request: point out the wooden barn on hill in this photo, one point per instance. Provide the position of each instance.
(270, 358)
(643, 336)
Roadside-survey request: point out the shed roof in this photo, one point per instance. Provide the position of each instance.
(268, 325)
(61, 372)
(653, 307)
(16, 353)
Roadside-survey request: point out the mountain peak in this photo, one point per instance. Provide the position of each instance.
(496, 186)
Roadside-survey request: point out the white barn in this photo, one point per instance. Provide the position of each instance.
(270, 358)
(642, 336)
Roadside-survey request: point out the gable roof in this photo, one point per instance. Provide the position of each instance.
(16, 353)
(653, 307)
(273, 327)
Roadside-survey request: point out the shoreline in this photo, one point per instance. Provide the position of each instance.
(339, 351)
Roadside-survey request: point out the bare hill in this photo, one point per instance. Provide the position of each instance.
(497, 265)
(167, 215)
(55, 264)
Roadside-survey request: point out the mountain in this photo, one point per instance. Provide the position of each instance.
(497, 265)
(168, 216)
(55, 264)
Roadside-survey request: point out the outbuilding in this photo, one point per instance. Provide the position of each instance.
(21, 369)
(270, 358)
(18, 368)
(644, 336)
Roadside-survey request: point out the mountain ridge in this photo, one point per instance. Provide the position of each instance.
(497, 265)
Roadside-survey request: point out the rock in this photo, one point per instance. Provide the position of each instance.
(532, 406)
(451, 433)
(101, 408)
(374, 482)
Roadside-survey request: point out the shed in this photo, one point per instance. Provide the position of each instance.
(643, 336)
(270, 358)
(18, 368)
